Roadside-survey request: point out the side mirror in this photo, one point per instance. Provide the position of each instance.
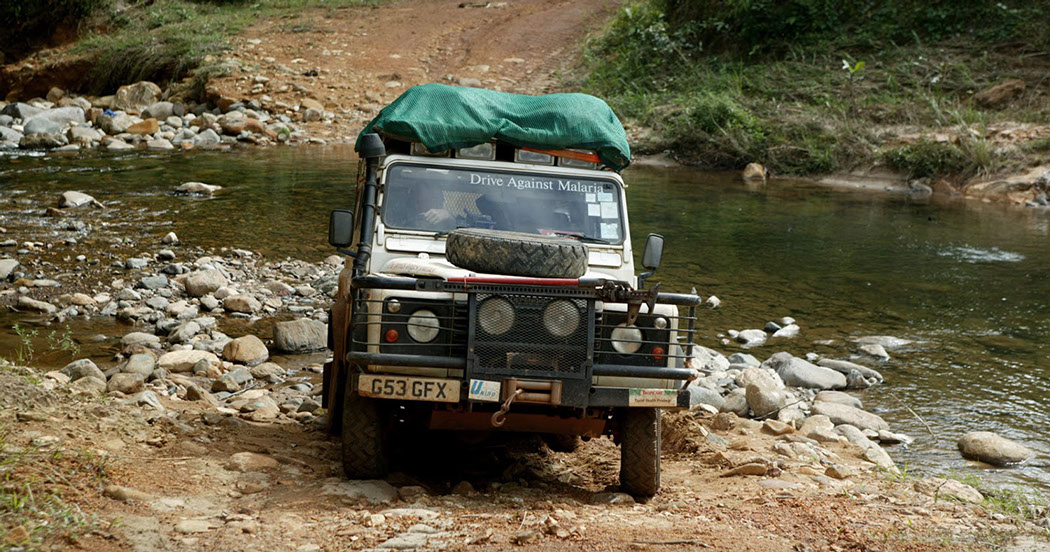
(341, 228)
(654, 250)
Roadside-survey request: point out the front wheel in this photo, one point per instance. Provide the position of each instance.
(364, 449)
(640, 451)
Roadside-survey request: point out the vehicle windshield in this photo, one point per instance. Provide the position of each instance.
(418, 197)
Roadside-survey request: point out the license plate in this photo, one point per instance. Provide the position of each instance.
(409, 388)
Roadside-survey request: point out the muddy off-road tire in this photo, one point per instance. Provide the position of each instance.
(515, 253)
(364, 450)
(640, 452)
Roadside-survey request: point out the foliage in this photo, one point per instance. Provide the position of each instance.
(58, 341)
(926, 158)
(31, 22)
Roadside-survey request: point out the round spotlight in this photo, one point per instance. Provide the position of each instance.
(626, 339)
(496, 316)
(423, 326)
(561, 318)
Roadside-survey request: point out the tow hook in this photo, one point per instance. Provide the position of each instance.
(499, 418)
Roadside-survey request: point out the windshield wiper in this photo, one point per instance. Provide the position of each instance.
(581, 238)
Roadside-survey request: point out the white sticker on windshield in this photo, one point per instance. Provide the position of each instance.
(610, 231)
(589, 198)
(609, 211)
(594, 210)
(605, 197)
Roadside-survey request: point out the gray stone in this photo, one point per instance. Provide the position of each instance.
(7, 266)
(708, 360)
(83, 135)
(242, 303)
(207, 138)
(157, 302)
(62, 116)
(135, 263)
(845, 414)
(198, 188)
(21, 110)
(992, 448)
(876, 455)
(751, 338)
(114, 124)
(209, 302)
(119, 145)
(136, 97)
(184, 332)
(743, 358)
(204, 282)
(126, 383)
(153, 282)
(819, 428)
(160, 110)
(874, 351)
(762, 400)
(374, 491)
(90, 386)
(183, 361)
(141, 364)
(763, 377)
(845, 367)
(702, 395)
(74, 199)
(949, 488)
(10, 135)
(854, 435)
(82, 368)
(159, 144)
(141, 339)
(789, 331)
(797, 372)
(838, 397)
(297, 336)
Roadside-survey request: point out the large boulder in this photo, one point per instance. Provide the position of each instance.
(845, 414)
(992, 448)
(204, 282)
(299, 336)
(20, 110)
(63, 116)
(797, 372)
(183, 361)
(136, 97)
(763, 400)
(761, 376)
(39, 125)
(246, 349)
(10, 135)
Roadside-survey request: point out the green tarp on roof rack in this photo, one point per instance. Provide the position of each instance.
(450, 117)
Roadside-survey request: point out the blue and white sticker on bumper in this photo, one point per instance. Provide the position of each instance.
(483, 390)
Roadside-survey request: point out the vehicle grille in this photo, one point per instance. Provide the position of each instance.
(527, 348)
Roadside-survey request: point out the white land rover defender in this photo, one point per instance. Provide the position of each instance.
(493, 287)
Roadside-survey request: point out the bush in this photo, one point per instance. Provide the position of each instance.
(32, 23)
(926, 158)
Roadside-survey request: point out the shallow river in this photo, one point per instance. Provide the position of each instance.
(967, 281)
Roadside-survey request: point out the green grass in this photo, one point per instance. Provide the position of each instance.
(826, 105)
(169, 40)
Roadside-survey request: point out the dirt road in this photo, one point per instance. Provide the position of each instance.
(354, 61)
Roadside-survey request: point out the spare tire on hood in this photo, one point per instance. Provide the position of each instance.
(516, 253)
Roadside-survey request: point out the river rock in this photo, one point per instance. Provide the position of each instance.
(206, 139)
(117, 123)
(142, 364)
(763, 401)
(21, 110)
(184, 332)
(10, 135)
(761, 376)
(61, 116)
(755, 172)
(702, 395)
(160, 110)
(204, 282)
(266, 370)
(41, 126)
(140, 339)
(136, 97)
(247, 349)
(845, 414)
(707, 360)
(242, 303)
(838, 397)
(83, 135)
(297, 336)
(159, 144)
(845, 367)
(170, 238)
(787, 332)
(744, 359)
(886, 341)
(154, 282)
(28, 303)
(751, 338)
(74, 199)
(198, 188)
(126, 383)
(949, 488)
(819, 428)
(992, 448)
(42, 141)
(183, 361)
(797, 372)
(878, 456)
(90, 386)
(118, 145)
(874, 351)
(144, 127)
(82, 368)
(7, 266)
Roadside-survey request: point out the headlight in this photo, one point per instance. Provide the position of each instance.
(423, 326)
(626, 339)
(496, 315)
(561, 318)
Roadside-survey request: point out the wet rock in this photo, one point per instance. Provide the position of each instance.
(890, 438)
(74, 199)
(37, 126)
(888, 342)
(204, 282)
(242, 303)
(28, 303)
(787, 332)
(874, 351)
(183, 361)
(949, 488)
(838, 397)
(159, 144)
(114, 124)
(206, 139)
(797, 372)
(82, 368)
(21, 110)
(751, 338)
(762, 400)
(845, 414)
(136, 97)
(170, 238)
(755, 172)
(845, 367)
(247, 349)
(126, 383)
(992, 448)
(301, 335)
(197, 188)
(374, 491)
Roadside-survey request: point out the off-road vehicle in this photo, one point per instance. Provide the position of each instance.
(492, 285)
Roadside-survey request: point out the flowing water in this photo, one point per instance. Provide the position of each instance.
(966, 281)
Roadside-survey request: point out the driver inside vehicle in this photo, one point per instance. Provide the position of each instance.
(430, 211)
